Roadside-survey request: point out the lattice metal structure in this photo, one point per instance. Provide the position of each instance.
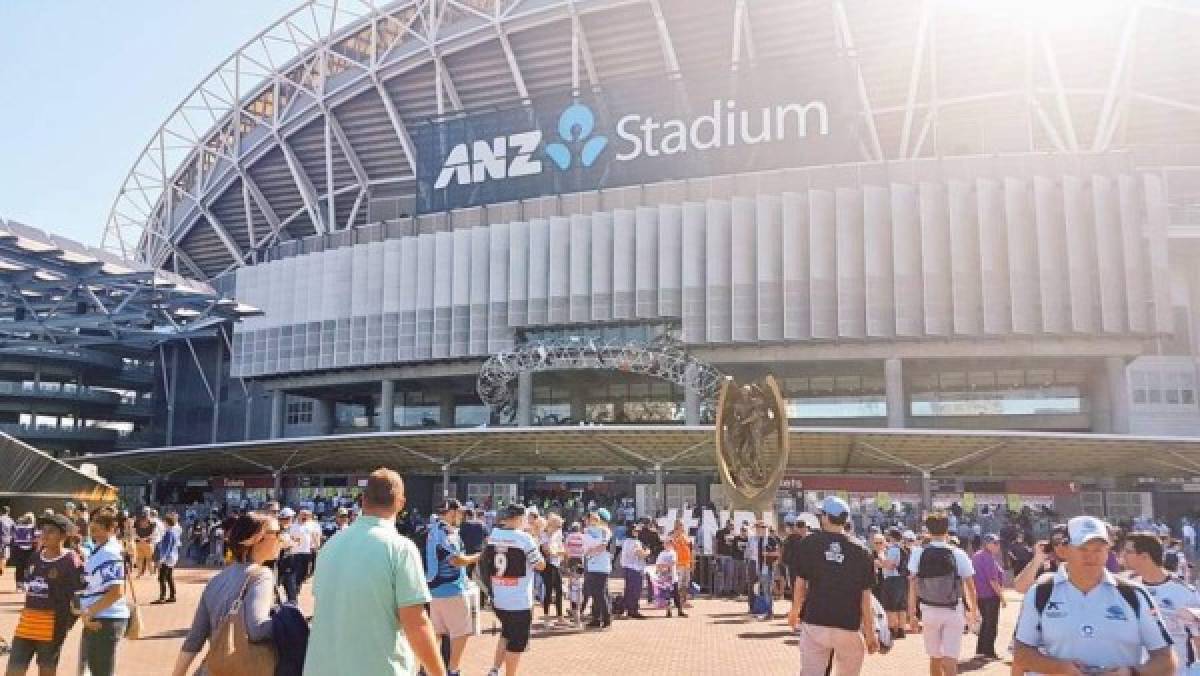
(305, 129)
(665, 359)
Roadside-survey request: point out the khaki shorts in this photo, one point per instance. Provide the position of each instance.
(942, 629)
(456, 616)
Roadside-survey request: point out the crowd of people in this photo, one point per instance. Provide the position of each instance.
(1096, 598)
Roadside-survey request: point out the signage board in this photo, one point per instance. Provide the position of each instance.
(633, 132)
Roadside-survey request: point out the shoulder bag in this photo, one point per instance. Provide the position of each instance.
(134, 630)
(230, 651)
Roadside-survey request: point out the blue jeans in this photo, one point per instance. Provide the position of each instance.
(724, 578)
(98, 649)
(633, 590)
(766, 583)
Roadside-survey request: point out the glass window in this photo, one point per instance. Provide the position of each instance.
(299, 412)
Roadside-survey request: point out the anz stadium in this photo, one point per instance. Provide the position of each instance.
(511, 246)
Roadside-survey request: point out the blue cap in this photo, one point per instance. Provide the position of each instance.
(832, 505)
(604, 514)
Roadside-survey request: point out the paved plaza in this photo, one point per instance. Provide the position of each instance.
(717, 639)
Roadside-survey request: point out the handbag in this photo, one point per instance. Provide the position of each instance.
(230, 651)
(134, 630)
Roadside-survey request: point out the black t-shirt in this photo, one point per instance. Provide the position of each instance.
(739, 547)
(791, 552)
(837, 570)
(723, 548)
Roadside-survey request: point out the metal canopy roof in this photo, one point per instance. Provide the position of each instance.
(32, 473)
(675, 448)
(58, 290)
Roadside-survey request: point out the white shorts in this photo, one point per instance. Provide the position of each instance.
(456, 616)
(942, 630)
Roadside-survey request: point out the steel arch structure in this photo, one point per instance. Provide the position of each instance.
(302, 128)
(663, 359)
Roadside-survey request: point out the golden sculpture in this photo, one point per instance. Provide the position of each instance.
(752, 442)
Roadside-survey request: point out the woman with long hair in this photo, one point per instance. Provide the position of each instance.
(253, 538)
(551, 542)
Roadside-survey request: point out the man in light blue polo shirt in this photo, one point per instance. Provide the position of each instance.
(597, 567)
(1083, 620)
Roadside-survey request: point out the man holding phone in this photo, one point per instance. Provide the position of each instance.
(1048, 556)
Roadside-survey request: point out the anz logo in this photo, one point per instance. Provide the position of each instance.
(514, 155)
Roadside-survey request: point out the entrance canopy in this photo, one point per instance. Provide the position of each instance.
(31, 475)
(623, 448)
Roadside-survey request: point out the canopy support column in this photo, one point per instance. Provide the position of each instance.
(660, 493)
(387, 405)
(525, 399)
(278, 410)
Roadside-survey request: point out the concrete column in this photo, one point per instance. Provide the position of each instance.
(1100, 402)
(578, 405)
(524, 399)
(325, 415)
(278, 411)
(172, 388)
(691, 397)
(279, 497)
(1118, 392)
(894, 394)
(660, 492)
(387, 405)
(217, 375)
(926, 492)
(445, 482)
(446, 406)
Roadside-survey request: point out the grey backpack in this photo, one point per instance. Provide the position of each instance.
(938, 583)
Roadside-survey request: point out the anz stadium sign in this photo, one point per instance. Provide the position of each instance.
(626, 135)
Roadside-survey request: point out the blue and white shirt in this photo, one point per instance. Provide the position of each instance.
(445, 579)
(105, 569)
(599, 562)
(515, 557)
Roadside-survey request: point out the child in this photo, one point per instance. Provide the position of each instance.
(666, 581)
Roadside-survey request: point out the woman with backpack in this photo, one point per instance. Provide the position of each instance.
(254, 539)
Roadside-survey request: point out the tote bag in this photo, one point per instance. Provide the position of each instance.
(230, 651)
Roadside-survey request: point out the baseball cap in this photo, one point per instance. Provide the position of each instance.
(832, 505)
(604, 514)
(59, 521)
(449, 505)
(513, 511)
(342, 511)
(1083, 529)
(991, 539)
(287, 513)
(909, 535)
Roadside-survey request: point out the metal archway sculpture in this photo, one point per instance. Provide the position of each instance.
(663, 358)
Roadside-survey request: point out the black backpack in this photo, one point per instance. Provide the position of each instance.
(937, 578)
(1171, 561)
(1045, 587)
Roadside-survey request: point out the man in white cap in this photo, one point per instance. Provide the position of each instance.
(1083, 620)
(832, 597)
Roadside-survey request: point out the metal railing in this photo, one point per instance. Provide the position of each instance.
(58, 391)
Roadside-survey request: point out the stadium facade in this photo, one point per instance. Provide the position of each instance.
(915, 214)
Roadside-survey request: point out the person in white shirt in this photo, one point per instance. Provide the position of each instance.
(1143, 556)
(633, 565)
(667, 578)
(305, 535)
(1189, 536)
(943, 580)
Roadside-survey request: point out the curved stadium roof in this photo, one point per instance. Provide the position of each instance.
(306, 128)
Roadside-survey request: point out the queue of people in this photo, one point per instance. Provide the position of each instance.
(1096, 600)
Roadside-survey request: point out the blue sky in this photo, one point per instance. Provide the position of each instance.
(83, 86)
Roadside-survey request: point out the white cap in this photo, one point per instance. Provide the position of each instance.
(1083, 529)
(287, 513)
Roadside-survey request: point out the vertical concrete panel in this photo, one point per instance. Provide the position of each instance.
(539, 271)
(797, 319)
(270, 331)
(1022, 256)
(410, 271)
(1157, 219)
(744, 301)
(692, 272)
(964, 259)
(670, 262)
(851, 269)
(460, 293)
(328, 301)
(718, 299)
(285, 319)
(480, 276)
(497, 336)
(822, 270)
(768, 224)
(426, 269)
(1110, 269)
(1054, 281)
(1081, 256)
(581, 263)
(519, 266)
(359, 294)
(299, 314)
(646, 262)
(374, 302)
(602, 266)
(906, 244)
(314, 313)
(559, 269)
(1137, 295)
(443, 293)
(392, 274)
(624, 262)
(345, 309)
(993, 258)
(935, 260)
(877, 251)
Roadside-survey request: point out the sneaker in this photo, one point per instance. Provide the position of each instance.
(682, 614)
(669, 612)
(594, 625)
